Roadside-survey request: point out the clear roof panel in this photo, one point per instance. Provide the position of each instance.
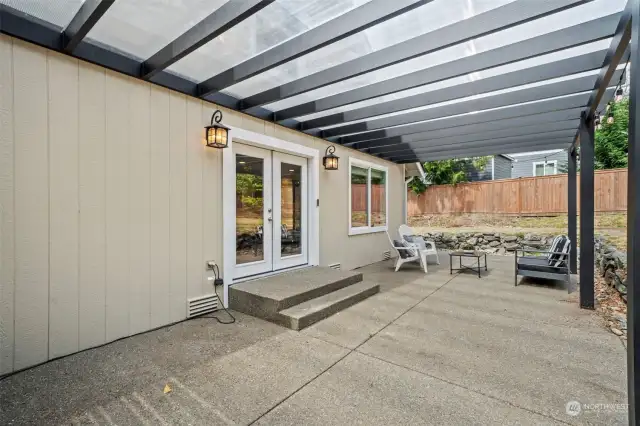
(271, 26)
(491, 72)
(142, 27)
(433, 15)
(497, 93)
(58, 12)
(574, 16)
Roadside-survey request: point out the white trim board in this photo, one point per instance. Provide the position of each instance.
(229, 196)
(544, 163)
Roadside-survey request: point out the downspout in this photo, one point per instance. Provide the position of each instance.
(406, 198)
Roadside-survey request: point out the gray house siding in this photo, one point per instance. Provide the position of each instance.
(502, 167)
(523, 167)
(501, 164)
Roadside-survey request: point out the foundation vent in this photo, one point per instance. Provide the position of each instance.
(386, 255)
(335, 266)
(202, 305)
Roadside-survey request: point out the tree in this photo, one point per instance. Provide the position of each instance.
(611, 140)
(447, 172)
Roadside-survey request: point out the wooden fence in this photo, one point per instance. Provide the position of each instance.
(543, 195)
(359, 197)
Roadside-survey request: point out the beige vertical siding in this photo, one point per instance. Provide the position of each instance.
(63, 205)
(110, 204)
(7, 277)
(31, 193)
(117, 207)
(159, 225)
(178, 206)
(195, 271)
(92, 288)
(211, 205)
(139, 208)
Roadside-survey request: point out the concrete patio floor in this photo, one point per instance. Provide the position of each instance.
(428, 349)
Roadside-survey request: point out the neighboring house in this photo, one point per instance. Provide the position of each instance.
(498, 167)
(541, 163)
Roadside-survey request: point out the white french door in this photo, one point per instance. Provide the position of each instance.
(271, 211)
(290, 210)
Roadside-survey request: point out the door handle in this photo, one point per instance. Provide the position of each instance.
(269, 219)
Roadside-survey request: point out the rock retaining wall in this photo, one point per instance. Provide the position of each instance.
(498, 243)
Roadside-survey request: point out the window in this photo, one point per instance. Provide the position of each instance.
(542, 169)
(368, 197)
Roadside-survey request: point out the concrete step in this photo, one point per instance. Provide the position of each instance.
(307, 313)
(265, 297)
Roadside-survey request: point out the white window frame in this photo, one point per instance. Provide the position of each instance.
(544, 168)
(368, 165)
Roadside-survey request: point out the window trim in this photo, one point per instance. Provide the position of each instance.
(544, 169)
(369, 229)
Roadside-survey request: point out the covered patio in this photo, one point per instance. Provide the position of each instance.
(428, 349)
(406, 81)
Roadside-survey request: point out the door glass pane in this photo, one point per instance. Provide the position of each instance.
(249, 209)
(291, 210)
(359, 197)
(378, 198)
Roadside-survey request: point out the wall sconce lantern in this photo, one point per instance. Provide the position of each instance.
(217, 135)
(330, 160)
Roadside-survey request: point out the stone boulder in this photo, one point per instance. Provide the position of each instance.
(491, 238)
(532, 237)
(509, 238)
(512, 246)
(494, 243)
(472, 241)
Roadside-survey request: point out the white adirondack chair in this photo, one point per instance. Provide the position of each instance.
(407, 254)
(426, 248)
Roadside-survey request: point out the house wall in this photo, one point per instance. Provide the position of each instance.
(502, 166)
(110, 204)
(524, 166)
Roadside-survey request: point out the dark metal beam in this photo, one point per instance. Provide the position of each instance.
(488, 150)
(615, 54)
(572, 208)
(504, 147)
(550, 90)
(586, 213)
(33, 30)
(486, 23)
(541, 121)
(352, 22)
(587, 62)
(87, 16)
(534, 138)
(533, 131)
(633, 225)
(545, 106)
(221, 20)
(618, 52)
(557, 40)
